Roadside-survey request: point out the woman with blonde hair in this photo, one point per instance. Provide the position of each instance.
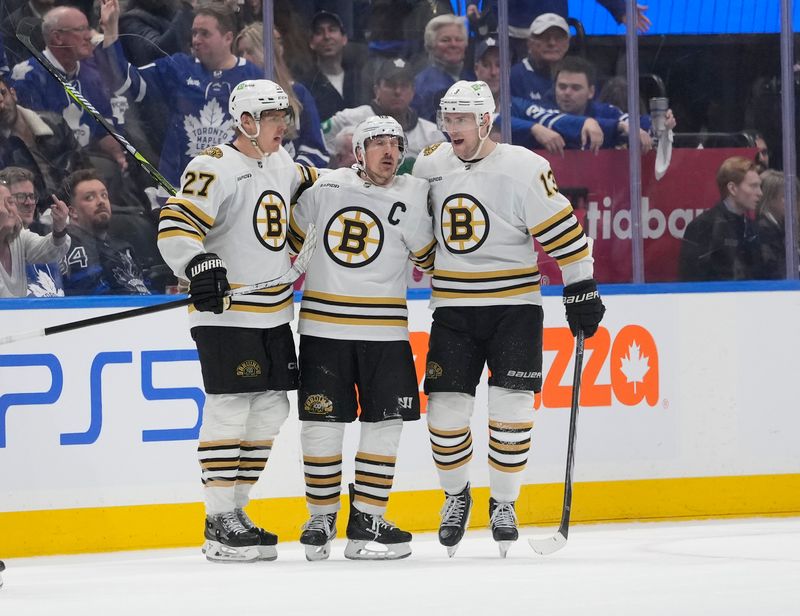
(771, 220)
(304, 139)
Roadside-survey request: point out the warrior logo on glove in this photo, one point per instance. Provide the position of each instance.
(208, 283)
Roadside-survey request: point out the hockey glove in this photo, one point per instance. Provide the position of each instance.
(208, 283)
(584, 308)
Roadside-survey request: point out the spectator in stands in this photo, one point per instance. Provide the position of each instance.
(304, 140)
(393, 28)
(333, 85)
(771, 222)
(762, 153)
(97, 263)
(446, 44)
(44, 279)
(30, 14)
(394, 89)
(20, 182)
(580, 122)
(522, 12)
(722, 243)
(548, 43)
(69, 47)
(194, 90)
(342, 150)
(39, 141)
(487, 69)
(19, 246)
(153, 29)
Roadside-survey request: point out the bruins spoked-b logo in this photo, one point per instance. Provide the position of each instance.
(269, 220)
(464, 222)
(354, 237)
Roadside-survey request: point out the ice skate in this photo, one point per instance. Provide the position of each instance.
(367, 528)
(266, 540)
(503, 522)
(228, 541)
(455, 518)
(317, 535)
(2, 568)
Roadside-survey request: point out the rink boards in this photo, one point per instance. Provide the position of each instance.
(688, 410)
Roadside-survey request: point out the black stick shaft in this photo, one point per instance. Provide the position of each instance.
(117, 316)
(573, 434)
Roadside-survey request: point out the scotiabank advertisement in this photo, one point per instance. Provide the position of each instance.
(109, 415)
(597, 186)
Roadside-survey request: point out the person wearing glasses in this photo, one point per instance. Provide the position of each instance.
(69, 47)
(19, 246)
(44, 279)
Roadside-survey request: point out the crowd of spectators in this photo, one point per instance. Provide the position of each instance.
(161, 71)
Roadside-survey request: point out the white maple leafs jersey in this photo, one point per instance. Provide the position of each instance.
(485, 214)
(355, 287)
(237, 207)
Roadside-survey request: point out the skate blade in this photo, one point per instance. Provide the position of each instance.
(318, 552)
(219, 553)
(503, 546)
(451, 549)
(267, 552)
(359, 550)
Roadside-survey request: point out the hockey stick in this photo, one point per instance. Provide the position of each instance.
(559, 540)
(24, 35)
(297, 269)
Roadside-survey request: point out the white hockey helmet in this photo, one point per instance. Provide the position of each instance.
(254, 96)
(375, 126)
(466, 97)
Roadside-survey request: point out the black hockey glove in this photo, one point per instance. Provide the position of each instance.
(208, 283)
(584, 308)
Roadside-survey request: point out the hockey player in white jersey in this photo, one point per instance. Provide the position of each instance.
(226, 228)
(354, 335)
(489, 200)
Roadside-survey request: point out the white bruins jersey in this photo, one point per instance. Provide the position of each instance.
(485, 213)
(237, 207)
(355, 287)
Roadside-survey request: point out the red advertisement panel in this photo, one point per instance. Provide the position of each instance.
(597, 186)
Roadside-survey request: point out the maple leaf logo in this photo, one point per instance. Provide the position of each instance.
(44, 286)
(21, 69)
(73, 116)
(635, 365)
(211, 127)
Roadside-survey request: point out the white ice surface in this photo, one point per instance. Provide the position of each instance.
(730, 568)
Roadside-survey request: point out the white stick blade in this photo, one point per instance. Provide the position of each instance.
(307, 251)
(549, 545)
(24, 336)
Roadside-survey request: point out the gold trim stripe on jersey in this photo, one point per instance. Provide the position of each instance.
(371, 320)
(191, 209)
